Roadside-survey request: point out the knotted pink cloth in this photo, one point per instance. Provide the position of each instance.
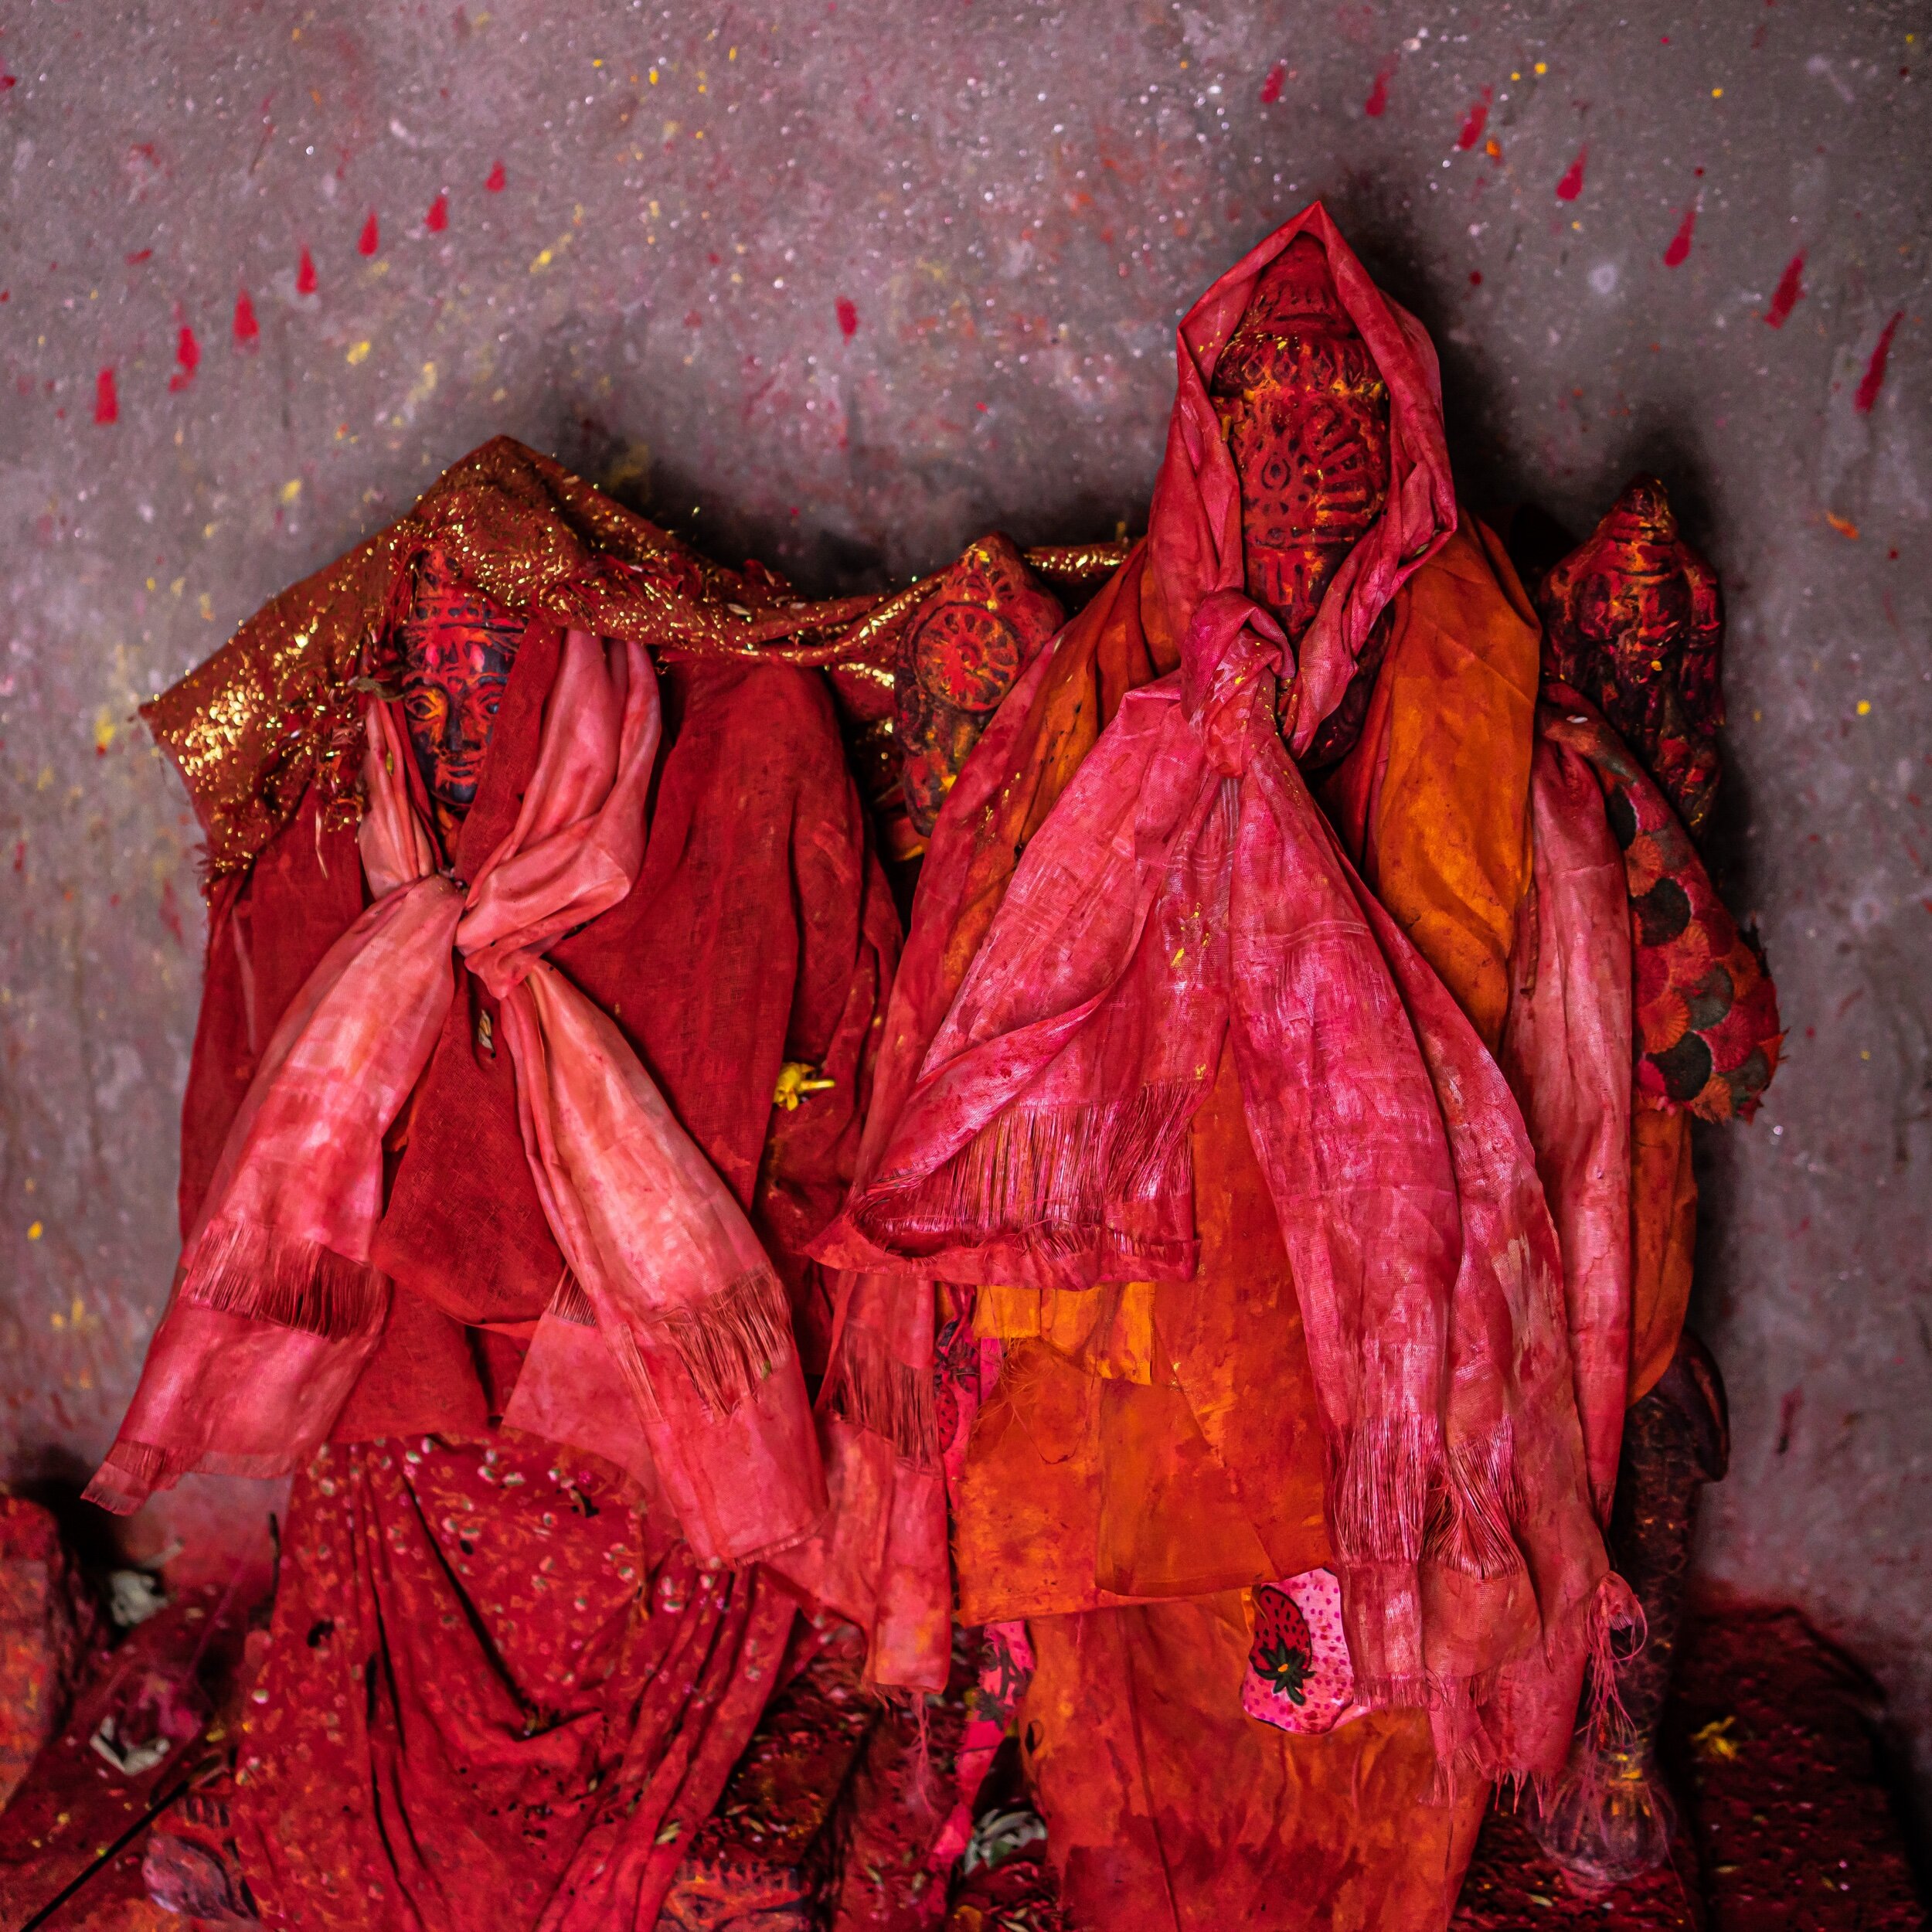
(677, 1360)
(1185, 891)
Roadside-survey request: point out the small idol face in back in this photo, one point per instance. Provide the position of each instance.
(458, 649)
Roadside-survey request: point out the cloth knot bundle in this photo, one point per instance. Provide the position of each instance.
(1234, 655)
(277, 1305)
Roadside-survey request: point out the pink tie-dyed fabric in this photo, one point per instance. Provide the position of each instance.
(1567, 1049)
(670, 1304)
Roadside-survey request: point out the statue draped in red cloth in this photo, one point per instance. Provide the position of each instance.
(505, 1682)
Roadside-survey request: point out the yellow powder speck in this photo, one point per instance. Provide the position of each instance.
(360, 353)
(104, 730)
(207, 607)
(654, 77)
(1515, 76)
(1717, 93)
(35, 1230)
(1866, 1054)
(1864, 707)
(1543, 66)
(291, 489)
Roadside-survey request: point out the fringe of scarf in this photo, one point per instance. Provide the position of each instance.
(1045, 1174)
(870, 1387)
(727, 1345)
(570, 1304)
(242, 1268)
(1608, 1815)
(1400, 1498)
(1603, 1788)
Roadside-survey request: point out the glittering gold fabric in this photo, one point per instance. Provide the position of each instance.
(278, 706)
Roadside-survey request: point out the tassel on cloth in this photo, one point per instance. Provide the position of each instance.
(872, 1389)
(570, 1304)
(1614, 1612)
(730, 1343)
(1388, 1470)
(1045, 1174)
(241, 1268)
(1607, 1818)
(1472, 1521)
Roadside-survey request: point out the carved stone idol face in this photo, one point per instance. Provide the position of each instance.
(458, 648)
(1306, 415)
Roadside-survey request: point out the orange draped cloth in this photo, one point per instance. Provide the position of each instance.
(1116, 1492)
(1433, 804)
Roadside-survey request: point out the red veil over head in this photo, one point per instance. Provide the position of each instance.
(1186, 894)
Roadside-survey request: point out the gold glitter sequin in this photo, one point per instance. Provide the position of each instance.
(275, 708)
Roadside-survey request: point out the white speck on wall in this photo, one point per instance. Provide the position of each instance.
(1603, 278)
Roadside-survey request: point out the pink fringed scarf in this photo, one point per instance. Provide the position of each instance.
(1186, 891)
(1567, 1050)
(677, 1348)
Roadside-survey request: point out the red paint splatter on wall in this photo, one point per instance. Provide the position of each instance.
(1787, 1411)
(171, 911)
(106, 401)
(1572, 184)
(848, 318)
(305, 274)
(187, 358)
(248, 332)
(138, 256)
(1377, 103)
(1873, 380)
(438, 218)
(1472, 127)
(370, 238)
(1271, 87)
(1791, 285)
(1679, 249)
(495, 186)
(8, 80)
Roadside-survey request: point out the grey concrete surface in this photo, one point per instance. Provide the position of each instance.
(843, 284)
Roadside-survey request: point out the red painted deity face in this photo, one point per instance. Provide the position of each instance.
(458, 648)
(1306, 414)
